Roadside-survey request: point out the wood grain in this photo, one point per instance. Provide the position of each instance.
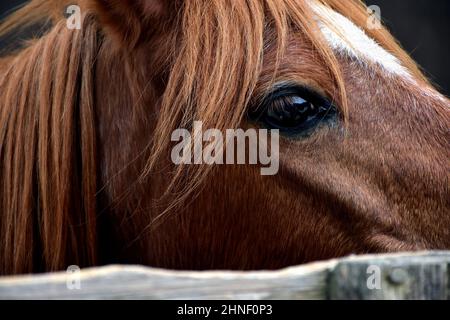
(422, 275)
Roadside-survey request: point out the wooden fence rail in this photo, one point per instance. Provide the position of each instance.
(422, 275)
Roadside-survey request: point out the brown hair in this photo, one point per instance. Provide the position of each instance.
(215, 50)
(47, 148)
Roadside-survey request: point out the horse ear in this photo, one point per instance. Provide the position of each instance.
(132, 21)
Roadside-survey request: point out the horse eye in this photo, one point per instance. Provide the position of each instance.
(293, 111)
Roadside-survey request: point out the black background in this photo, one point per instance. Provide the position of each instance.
(422, 27)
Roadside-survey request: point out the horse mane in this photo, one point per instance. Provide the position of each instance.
(48, 163)
(47, 143)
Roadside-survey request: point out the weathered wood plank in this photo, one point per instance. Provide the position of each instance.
(415, 277)
(134, 282)
(402, 276)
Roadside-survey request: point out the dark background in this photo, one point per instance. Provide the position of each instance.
(422, 27)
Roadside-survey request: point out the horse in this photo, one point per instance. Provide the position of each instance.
(86, 117)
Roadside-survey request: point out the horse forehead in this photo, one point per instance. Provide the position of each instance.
(346, 38)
